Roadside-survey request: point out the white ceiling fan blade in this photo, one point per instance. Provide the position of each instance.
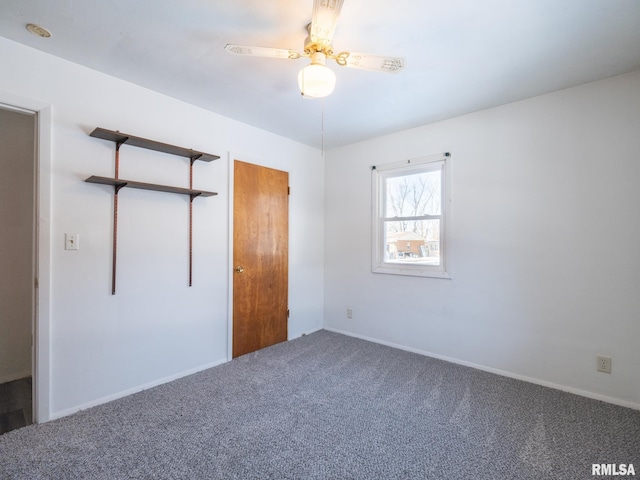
(367, 61)
(324, 20)
(261, 51)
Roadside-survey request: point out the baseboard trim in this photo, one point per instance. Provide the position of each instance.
(131, 391)
(308, 332)
(504, 373)
(15, 376)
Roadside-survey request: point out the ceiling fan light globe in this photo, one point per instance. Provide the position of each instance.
(316, 81)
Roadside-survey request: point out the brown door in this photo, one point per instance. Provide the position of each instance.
(260, 257)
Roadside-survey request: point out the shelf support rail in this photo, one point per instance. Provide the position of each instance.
(191, 197)
(116, 189)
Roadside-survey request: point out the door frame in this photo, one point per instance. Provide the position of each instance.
(41, 323)
(231, 158)
(231, 177)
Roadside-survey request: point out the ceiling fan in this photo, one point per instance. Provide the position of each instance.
(316, 80)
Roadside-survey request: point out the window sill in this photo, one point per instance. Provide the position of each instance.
(410, 270)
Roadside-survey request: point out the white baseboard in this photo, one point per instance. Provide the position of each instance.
(139, 388)
(309, 332)
(504, 373)
(10, 377)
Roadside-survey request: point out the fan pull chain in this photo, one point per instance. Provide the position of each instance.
(322, 126)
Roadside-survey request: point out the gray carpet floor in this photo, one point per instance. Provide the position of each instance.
(327, 406)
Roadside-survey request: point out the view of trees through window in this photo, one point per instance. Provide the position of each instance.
(413, 212)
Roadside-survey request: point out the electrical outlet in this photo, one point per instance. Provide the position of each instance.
(349, 312)
(604, 364)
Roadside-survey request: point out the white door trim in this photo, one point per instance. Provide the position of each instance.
(230, 169)
(42, 300)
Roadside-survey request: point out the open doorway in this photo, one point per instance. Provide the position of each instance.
(18, 129)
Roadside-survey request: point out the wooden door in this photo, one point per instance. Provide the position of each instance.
(260, 257)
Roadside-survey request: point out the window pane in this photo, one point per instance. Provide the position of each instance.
(412, 242)
(413, 195)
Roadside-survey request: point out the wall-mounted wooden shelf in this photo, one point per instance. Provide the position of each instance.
(125, 138)
(118, 183)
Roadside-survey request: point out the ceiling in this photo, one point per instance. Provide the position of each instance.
(461, 55)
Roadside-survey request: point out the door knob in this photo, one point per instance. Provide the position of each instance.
(239, 269)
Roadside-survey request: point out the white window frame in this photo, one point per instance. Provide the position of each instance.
(379, 175)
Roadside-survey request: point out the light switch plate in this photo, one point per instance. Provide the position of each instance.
(71, 241)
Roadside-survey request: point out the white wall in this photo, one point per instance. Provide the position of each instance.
(155, 327)
(545, 245)
(17, 148)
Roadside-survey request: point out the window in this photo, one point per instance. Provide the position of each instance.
(409, 217)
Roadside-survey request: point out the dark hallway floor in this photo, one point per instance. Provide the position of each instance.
(15, 405)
